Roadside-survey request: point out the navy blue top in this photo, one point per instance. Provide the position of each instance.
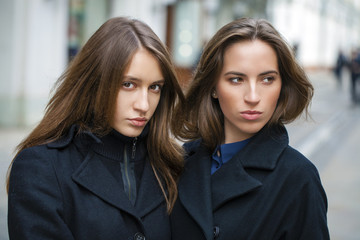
(224, 152)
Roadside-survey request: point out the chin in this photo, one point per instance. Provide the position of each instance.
(130, 132)
(133, 134)
(252, 130)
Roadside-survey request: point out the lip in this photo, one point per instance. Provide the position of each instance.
(138, 122)
(251, 114)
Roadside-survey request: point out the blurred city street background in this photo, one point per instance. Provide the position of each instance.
(40, 37)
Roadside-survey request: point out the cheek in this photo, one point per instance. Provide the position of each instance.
(154, 102)
(273, 97)
(123, 101)
(124, 105)
(228, 95)
(119, 109)
(229, 102)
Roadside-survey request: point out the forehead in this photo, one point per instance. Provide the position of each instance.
(255, 54)
(144, 66)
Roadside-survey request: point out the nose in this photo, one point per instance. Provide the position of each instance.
(252, 95)
(142, 102)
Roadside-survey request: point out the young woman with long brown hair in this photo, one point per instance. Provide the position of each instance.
(241, 179)
(101, 163)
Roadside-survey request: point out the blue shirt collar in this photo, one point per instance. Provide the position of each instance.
(224, 152)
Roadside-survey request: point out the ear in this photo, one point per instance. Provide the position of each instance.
(214, 94)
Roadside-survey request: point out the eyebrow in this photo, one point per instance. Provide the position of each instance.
(131, 78)
(269, 72)
(242, 74)
(162, 81)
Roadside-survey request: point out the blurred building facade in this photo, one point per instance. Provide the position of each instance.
(39, 37)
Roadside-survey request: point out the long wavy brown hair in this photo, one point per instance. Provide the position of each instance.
(201, 115)
(86, 93)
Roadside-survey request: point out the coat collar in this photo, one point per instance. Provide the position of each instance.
(93, 175)
(90, 137)
(263, 151)
(201, 193)
(71, 134)
(231, 181)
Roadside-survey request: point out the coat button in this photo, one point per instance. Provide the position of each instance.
(216, 232)
(139, 236)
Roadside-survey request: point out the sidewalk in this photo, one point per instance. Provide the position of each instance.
(341, 180)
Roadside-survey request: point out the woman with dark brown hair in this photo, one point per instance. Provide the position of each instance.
(241, 179)
(101, 163)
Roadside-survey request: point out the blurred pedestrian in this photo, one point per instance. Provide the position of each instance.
(296, 49)
(355, 74)
(241, 179)
(339, 65)
(101, 163)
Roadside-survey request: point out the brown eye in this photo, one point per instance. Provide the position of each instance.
(268, 79)
(235, 80)
(156, 87)
(128, 85)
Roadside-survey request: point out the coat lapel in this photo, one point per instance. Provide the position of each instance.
(149, 193)
(195, 191)
(95, 177)
(231, 181)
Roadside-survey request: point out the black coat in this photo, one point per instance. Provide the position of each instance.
(267, 190)
(64, 191)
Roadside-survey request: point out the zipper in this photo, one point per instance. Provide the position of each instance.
(133, 148)
(128, 174)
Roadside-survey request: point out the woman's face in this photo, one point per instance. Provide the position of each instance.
(139, 94)
(248, 88)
